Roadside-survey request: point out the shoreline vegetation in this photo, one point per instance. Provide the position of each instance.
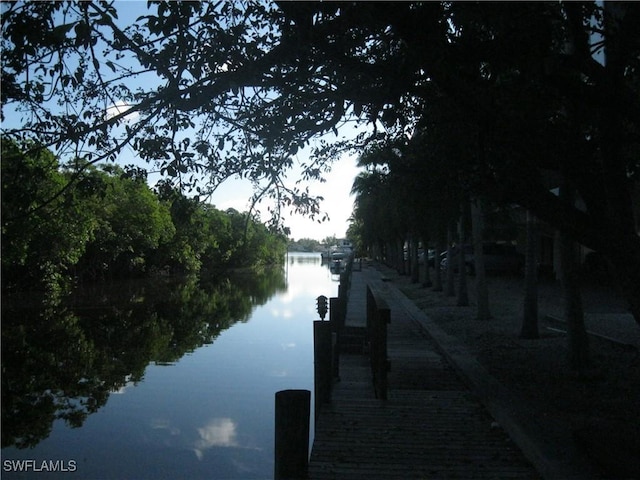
(112, 225)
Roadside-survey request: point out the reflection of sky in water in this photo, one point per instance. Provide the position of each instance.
(211, 414)
(219, 432)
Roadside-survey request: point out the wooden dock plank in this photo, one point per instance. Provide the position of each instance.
(431, 426)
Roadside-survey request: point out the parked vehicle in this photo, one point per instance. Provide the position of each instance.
(498, 258)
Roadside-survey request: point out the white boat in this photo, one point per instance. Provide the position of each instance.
(338, 255)
(343, 250)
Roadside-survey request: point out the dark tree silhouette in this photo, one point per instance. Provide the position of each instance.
(221, 89)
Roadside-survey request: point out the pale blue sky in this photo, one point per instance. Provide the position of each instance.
(338, 203)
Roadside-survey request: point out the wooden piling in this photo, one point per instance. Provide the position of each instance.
(292, 434)
(342, 300)
(334, 313)
(322, 363)
(336, 329)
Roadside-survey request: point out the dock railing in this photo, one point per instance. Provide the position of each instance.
(378, 317)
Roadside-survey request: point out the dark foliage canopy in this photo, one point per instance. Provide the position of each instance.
(211, 90)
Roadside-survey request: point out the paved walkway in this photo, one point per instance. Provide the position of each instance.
(445, 416)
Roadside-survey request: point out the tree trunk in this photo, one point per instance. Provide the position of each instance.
(624, 255)
(463, 291)
(482, 290)
(437, 273)
(625, 261)
(530, 315)
(427, 274)
(579, 358)
(574, 315)
(390, 254)
(400, 261)
(449, 289)
(413, 257)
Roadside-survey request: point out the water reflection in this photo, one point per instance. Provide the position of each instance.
(219, 432)
(301, 258)
(210, 414)
(62, 359)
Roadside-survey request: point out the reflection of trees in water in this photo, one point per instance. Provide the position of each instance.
(61, 360)
(304, 259)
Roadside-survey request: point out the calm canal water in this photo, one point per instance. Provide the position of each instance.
(158, 380)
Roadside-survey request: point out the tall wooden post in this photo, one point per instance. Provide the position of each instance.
(292, 434)
(336, 328)
(334, 312)
(342, 298)
(322, 363)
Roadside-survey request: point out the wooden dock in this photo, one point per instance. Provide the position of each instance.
(431, 426)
